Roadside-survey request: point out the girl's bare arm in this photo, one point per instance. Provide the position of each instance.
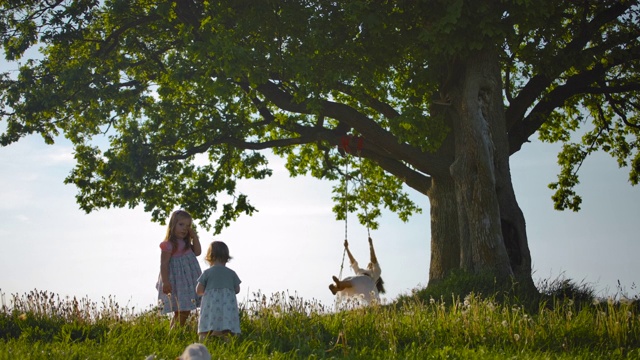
(200, 289)
(196, 247)
(346, 247)
(165, 257)
(374, 259)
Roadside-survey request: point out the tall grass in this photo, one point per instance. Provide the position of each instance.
(420, 325)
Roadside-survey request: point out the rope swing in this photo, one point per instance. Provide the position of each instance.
(346, 217)
(345, 150)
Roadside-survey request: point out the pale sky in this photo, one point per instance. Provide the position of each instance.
(294, 244)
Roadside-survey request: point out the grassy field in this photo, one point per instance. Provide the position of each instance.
(564, 322)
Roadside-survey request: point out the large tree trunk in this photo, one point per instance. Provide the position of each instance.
(445, 239)
(512, 220)
(476, 223)
(474, 90)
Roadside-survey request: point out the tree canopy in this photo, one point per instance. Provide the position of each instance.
(143, 88)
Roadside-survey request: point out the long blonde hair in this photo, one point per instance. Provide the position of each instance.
(173, 220)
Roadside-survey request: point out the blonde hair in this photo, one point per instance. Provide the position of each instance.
(173, 220)
(218, 251)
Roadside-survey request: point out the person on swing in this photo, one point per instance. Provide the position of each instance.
(366, 283)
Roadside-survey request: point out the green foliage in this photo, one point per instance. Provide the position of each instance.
(147, 90)
(567, 289)
(284, 326)
(460, 284)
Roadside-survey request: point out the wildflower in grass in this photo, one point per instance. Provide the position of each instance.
(505, 323)
(432, 301)
(516, 337)
(490, 306)
(467, 300)
(22, 317)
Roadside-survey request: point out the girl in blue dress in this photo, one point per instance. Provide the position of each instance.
(218, 286)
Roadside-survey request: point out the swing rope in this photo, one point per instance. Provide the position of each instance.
(366, 205)
(345, 148)
(346, 212)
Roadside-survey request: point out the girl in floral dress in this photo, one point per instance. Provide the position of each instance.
(218, 286)
(179, 268)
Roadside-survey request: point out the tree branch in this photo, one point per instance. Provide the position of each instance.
(112, 40)
(383, 140)
(414, 179)
(240, 144)
(614, 105)
(383, 108)
(538, 83)
(576, 84)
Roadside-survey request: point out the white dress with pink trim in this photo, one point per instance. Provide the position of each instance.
(184, 271)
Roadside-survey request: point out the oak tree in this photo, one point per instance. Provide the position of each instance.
(430, 94)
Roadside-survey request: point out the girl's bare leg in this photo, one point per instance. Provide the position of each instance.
(223, 335)
(180, 317)
(339, 285)
(184, 315)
